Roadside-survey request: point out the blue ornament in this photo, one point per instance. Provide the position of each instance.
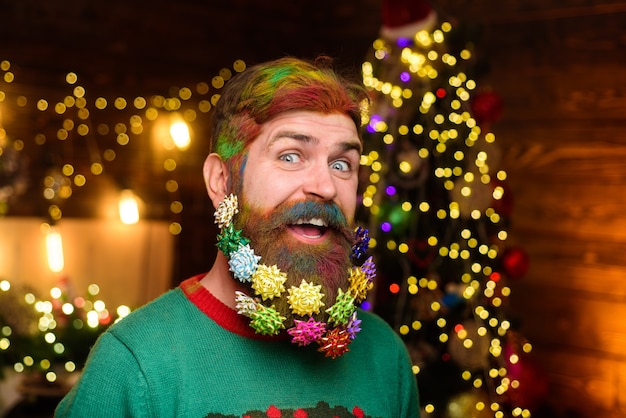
(362, 242)
(243, 263)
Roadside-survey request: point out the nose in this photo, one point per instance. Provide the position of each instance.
(320, 183)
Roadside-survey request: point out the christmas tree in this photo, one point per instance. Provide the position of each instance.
(437, 206)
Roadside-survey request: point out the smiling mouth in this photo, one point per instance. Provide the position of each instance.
(309, 228)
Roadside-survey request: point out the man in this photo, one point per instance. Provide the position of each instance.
(272, 330)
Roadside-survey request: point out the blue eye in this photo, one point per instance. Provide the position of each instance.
(340, 165)
(290, 158)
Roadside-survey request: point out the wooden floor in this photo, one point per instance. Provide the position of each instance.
(560, 68)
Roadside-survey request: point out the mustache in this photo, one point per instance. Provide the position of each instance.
(289, 214)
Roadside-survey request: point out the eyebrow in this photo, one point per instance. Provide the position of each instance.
(310, 139)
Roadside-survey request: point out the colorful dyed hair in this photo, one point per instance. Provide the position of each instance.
(267, 90)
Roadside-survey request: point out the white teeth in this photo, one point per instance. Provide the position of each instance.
(313, 221)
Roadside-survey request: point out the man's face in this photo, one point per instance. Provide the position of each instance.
(299, 198)
(304, 156)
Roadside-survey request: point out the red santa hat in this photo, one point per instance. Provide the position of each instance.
(404, 18)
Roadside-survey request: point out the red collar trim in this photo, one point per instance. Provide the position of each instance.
(215, 309)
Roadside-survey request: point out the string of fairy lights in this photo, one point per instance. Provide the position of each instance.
(401, 76)
(106, 140)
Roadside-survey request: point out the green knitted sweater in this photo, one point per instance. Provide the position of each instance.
(186, 354)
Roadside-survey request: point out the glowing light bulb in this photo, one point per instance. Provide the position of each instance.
(128, 207)
(180, 134)
(54, 247)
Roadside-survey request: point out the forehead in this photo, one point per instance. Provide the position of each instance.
(334, 129)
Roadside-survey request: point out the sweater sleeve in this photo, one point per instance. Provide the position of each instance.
(112, 384)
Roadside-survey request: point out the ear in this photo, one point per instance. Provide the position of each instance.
(215, 178)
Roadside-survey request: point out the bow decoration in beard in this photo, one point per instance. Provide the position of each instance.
(294, 282)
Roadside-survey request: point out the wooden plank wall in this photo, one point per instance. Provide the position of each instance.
(560, 67)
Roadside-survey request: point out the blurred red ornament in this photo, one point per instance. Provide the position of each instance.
(495, 276)
(397, 13)
(487, 107)
(421, 253)
(515, 262)
(533, 384)
(104, 318)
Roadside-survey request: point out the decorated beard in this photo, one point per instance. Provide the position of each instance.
(309, 290)
(319, 265)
